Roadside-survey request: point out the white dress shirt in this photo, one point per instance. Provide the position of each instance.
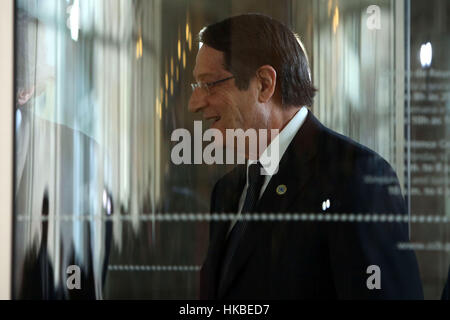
(284, 139)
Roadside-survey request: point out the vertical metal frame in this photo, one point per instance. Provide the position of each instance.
(6, 144)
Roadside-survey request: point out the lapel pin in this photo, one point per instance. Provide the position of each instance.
(281, 189)
(326, 204)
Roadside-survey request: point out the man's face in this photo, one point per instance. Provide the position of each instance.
(226, 107)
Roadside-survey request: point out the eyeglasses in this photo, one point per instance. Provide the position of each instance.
(208, 85)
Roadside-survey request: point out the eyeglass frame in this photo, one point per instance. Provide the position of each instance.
(208, 85)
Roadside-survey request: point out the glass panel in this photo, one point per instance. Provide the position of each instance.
(101, 85)
(429, 134)
(358, 70)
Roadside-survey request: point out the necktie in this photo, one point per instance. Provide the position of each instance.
(255, 182)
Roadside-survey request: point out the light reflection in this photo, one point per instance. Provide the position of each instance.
(109, 207)
(19, 115)
(187, 31)
(73, 23)
(330, 6)
(105, 198)
(158, 107)
(139, 48)
(190, 41)
(426, 55)
(335, 19)
(179, 49)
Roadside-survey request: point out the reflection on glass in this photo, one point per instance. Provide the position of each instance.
(102, 84)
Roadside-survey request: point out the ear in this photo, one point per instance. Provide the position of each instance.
(267, 80)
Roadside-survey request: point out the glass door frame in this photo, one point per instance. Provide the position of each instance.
(6, 144)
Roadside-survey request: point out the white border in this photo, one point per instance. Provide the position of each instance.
(6, 144)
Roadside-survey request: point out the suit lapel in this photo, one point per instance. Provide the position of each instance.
(294, 173)
(226, 201)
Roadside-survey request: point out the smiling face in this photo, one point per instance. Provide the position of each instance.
(226, 107)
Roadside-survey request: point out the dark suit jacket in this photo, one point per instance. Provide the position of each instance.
(315, 259)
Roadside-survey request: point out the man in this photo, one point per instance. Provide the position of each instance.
(252, 73)
(45, 180)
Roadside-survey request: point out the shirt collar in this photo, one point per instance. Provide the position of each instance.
(269, 159)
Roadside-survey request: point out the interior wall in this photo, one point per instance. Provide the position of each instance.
(6, 144)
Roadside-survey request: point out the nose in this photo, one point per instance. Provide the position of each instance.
(197, 101)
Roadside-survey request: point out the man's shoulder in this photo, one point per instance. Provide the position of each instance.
(334, 139)
(342, 148)
(330, 145)
(346, 161)
(358, 173)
